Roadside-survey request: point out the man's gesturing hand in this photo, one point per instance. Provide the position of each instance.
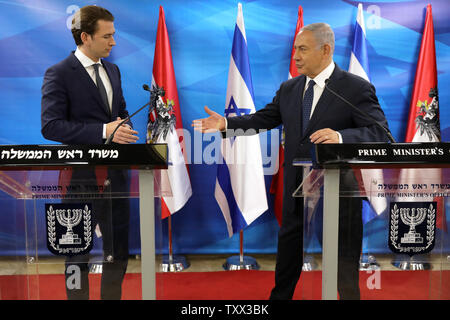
(215, 122)
(123, 135)
(324, 136)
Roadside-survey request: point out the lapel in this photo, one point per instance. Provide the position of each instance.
(109, 72)
(297, 103)
(324, 103)
(88, 83)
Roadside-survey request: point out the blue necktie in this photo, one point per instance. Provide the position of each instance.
(101, 86)
(307, 104)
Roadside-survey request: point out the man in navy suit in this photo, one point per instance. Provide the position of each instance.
(311, 115)
(82, 103)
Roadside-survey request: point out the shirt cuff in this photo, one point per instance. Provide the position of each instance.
(104, 131)
(340, 137)
(226, 124)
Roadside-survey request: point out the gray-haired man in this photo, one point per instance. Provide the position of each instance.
(311, 115)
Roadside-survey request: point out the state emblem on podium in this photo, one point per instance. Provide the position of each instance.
(412, 227)
(69, 228)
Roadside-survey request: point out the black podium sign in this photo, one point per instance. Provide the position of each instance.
(150, 156)
(382, 153)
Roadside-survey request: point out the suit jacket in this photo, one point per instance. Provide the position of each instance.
(72, 109)
(330, 112)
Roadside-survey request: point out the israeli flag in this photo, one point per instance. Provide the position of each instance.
(359, 61)
(359, 65)
(240, 189)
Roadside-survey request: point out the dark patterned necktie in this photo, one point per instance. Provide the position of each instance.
(307, 104)
(101, 86)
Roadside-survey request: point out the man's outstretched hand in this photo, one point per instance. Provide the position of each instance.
(215, 122)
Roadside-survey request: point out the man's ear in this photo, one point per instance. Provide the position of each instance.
(327, 49)
(84, 37)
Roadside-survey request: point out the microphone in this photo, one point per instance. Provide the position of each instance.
(108, 141)
(365, 114)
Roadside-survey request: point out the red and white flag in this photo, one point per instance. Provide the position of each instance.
(176, 178)
(423, 120)
(276, 187)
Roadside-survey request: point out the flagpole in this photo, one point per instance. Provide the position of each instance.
(241, 247)
(169, 226)
(173, 263)
(241, 262)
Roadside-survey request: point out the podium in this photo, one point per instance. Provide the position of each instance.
(54, 198)
(412, 181)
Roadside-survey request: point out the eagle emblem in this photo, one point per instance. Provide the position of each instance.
(161, 115)
(427, 119)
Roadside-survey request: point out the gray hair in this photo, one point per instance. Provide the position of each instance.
(322, 33)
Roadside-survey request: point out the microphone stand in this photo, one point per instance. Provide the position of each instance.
(108, 141)
(146, 88)
(365, 114)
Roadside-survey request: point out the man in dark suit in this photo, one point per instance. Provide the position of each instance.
(82, 103)
(310, 115)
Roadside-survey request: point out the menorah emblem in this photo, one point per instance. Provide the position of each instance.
(69, 228)
(416, 221)
(69, 218)
(412, 217)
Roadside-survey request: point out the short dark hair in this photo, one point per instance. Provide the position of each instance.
(85, 20)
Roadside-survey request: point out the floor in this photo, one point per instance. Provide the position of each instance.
(197, 263)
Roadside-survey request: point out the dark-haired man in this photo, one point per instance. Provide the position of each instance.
(82, 103)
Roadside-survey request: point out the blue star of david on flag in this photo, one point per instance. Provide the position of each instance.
(233, 109)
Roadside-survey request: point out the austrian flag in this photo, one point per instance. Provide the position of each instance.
(176, 177)
(423, 122)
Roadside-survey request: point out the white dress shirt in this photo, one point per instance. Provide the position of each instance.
(88, 65)
(318, 90)
(319, 87)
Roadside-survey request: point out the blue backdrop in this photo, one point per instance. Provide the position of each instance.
(34, 35)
